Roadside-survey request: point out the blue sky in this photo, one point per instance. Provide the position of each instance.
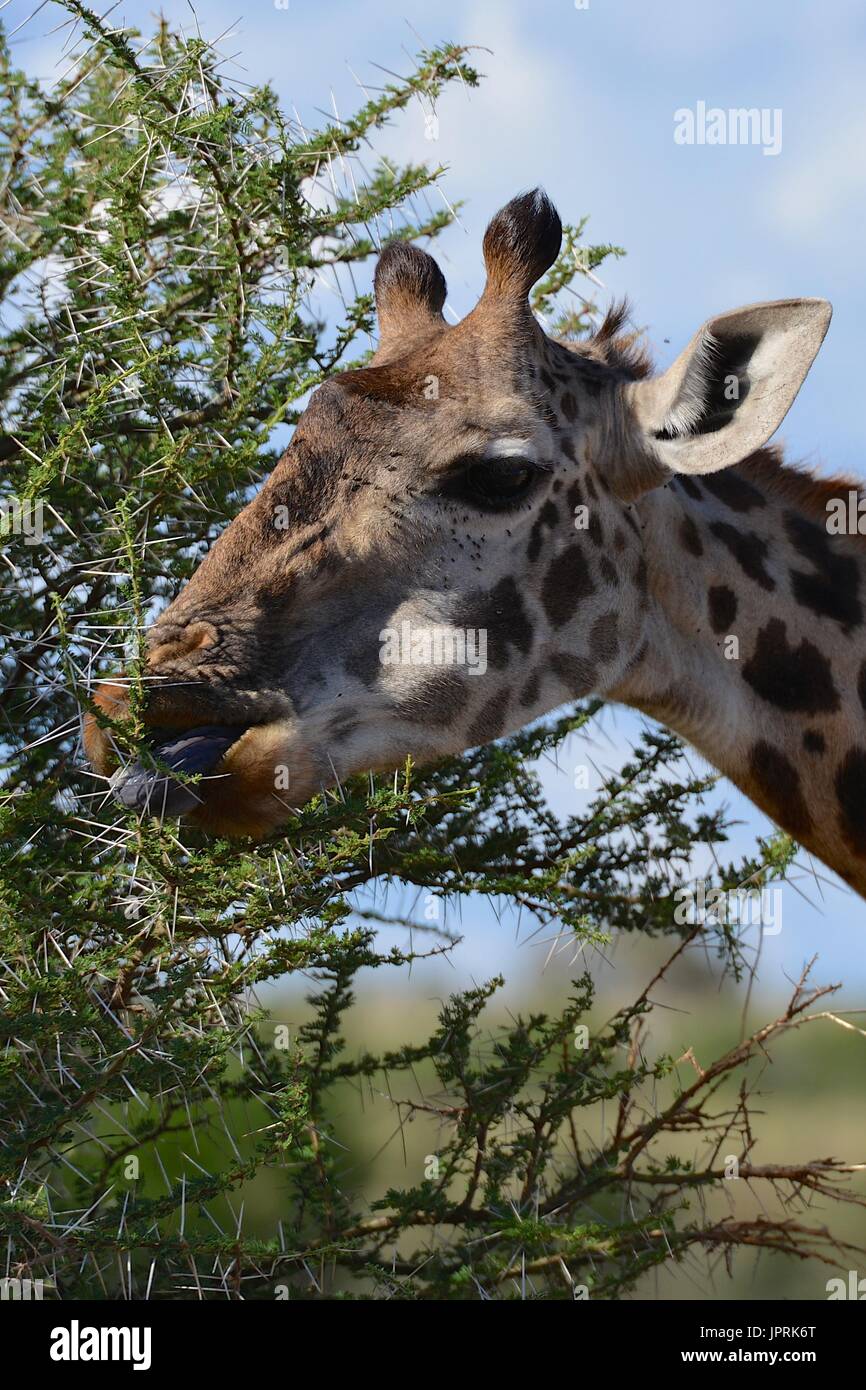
(582, 100)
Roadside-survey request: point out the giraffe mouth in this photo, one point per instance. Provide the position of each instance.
(190, 752)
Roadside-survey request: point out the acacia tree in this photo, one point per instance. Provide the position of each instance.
(164, 235)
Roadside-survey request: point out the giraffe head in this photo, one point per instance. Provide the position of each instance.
(449, 547)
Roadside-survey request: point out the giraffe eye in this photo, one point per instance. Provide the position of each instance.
(492, 484)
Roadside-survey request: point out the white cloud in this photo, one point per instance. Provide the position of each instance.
(828, 181)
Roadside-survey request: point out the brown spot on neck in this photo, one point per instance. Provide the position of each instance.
(777, 784)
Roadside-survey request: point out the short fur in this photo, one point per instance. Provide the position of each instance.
(661, 555)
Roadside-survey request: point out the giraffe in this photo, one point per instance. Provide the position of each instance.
(607, 529)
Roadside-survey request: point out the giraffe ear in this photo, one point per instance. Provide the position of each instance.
(410, 292)
(520, 244)
(729, 391)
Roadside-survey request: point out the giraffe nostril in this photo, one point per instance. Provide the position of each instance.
(183, 642)
(200, 635)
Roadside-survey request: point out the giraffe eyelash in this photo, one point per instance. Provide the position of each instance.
(498, 482)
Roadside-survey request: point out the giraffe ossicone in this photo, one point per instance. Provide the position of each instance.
(607, 529)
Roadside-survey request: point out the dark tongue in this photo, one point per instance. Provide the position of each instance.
(141, 788)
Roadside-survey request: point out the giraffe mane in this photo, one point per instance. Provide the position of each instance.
(623, 352)
(798, 484)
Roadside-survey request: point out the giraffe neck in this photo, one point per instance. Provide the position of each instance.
(755, 648)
